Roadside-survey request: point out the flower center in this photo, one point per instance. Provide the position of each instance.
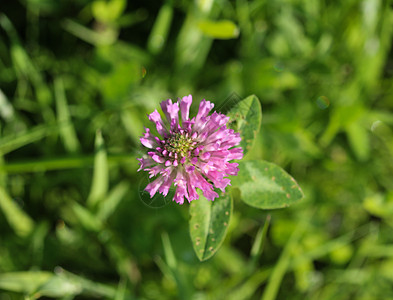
(179, 143)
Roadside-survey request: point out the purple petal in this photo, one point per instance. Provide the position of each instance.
(216, 121)
(155, 117)
(206, 155)
(231, 168)
(204, 108)
(181, 190)
(191, 186)
(207, 188)
(156, 157)
(190, 169)
(164, 188)
(145, 162)
(148, 140)
(235, 153)
(171, 111)
(155, 170)
(164, 106)
(205, 166)
(185, 104)
(152, 187)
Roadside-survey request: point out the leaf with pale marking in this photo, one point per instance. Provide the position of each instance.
(208, 224)
(246, 118)
(265, 185)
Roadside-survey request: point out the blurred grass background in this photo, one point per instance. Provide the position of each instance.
(77, 78)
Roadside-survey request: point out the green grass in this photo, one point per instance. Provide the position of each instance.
(76, 82)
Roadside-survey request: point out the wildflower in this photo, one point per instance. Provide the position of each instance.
(191, 153)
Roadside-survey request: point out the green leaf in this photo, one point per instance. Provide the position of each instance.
(15, 141)
(283, 263)
(359, 140)
(41, 283)
(117, 84)
(132, 124)
(172, 268)
(223, 29)
(265, 185)
(107, 37)
(108, 11)
(19, 221)
(160, 31)
(99, 186)
(88, 220)
(67, 131)
(246, 118)
(24, 282)
(257, 247)
(112, 200)
(168, 250)
(208, 224)
(63, 163)
(7, 111)
(60, 286)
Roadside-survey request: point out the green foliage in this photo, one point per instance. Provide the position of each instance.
(223, 29)
(85, 71)
(38, 284)
(265, 185)
(67, 131)
(160, 30)
(108, 11)
(99, 186)
(24, 282)
(209, 223)
(20, 222)
(246, 118)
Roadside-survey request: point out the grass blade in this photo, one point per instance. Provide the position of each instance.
(112, 201)
(99, 186)
(160, 29)
(282, 265)
(67, 131)
(19, 221)
(63, 163)
(257, 247)
(171, 262)
(13, 142)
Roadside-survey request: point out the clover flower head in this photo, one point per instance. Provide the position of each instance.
(191, 153)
